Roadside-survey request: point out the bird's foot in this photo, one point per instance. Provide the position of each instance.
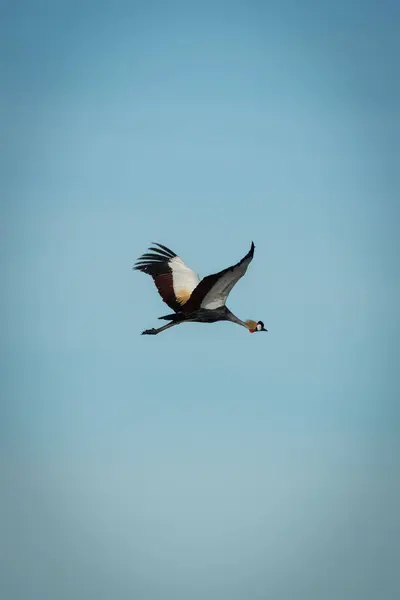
(149, 331)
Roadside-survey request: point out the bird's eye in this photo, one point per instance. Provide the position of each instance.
(259, 326)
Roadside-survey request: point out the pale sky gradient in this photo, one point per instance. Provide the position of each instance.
(205, 463)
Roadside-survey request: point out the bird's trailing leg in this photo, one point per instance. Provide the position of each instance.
(159, 330)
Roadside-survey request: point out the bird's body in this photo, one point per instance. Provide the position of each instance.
(202, 315)
(191, 299)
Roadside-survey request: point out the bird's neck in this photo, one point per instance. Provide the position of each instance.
(235, 319)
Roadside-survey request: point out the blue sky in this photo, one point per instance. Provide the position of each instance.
(205, 462)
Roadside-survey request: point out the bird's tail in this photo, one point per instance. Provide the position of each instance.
(175, 317)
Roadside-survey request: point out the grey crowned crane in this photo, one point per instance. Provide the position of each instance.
(191, 299)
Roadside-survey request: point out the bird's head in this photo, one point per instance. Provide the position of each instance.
(254, 326)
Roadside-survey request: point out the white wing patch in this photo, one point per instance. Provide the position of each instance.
(184, 279)
(219, 292)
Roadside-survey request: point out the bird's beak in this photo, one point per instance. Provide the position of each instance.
(264, 329)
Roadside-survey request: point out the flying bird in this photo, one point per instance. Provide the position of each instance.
(191, 299)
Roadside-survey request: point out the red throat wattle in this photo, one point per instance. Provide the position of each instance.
(252, 330)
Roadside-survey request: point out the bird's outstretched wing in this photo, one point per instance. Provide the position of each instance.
(213, 290)
(174, 280)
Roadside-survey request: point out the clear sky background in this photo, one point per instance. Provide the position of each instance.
(205, 463)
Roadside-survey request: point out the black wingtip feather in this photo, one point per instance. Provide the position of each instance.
(160, 253)
(167, 250)
(156, 261)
